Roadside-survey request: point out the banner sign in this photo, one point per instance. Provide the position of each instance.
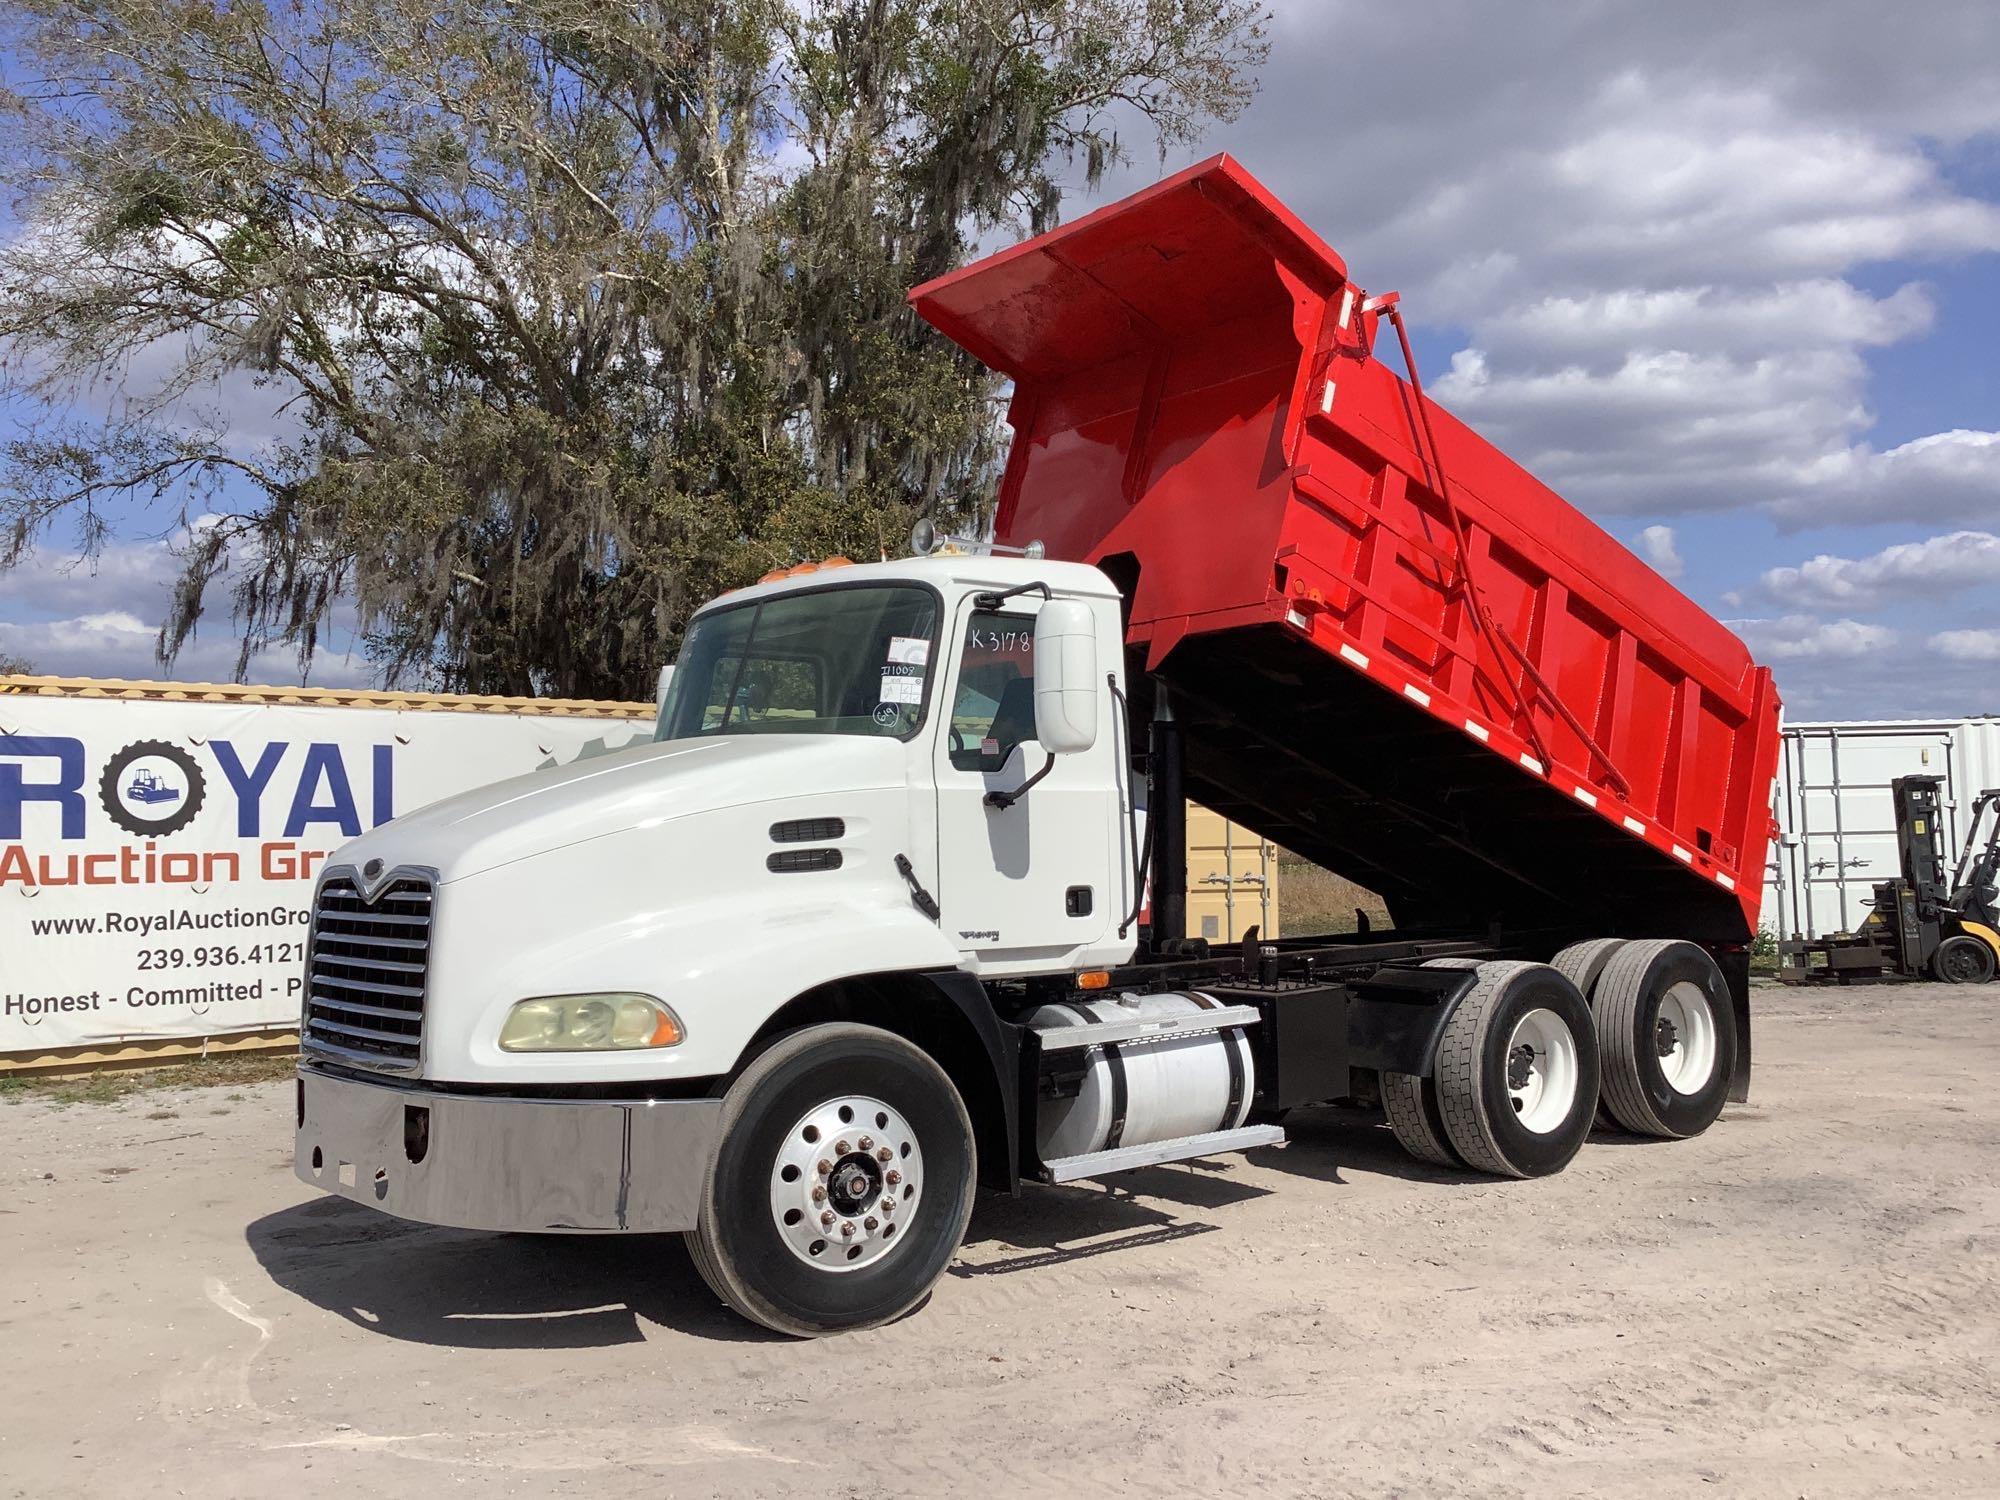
(157, 858)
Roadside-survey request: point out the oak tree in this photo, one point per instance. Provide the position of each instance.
(574, 312)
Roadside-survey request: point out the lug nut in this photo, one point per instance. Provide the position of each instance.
(868, 1143)
(826, 1219)
(819, 1194)
(841, 1148)
(888, 1205)
(847, 1228)
(894, 1176)
(885, 1154)
(871, 1224)
(825, 1167)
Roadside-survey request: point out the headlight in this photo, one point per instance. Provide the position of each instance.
(589, 1023)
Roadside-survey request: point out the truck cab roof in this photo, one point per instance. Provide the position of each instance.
(946, 571)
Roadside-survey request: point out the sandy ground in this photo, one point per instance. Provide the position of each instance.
(1806, 1301)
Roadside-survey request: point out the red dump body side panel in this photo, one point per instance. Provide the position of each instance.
(1195, 400)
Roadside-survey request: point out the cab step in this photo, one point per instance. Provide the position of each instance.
(1181, 1148)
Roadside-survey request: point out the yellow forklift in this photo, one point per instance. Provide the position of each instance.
(1923, 925)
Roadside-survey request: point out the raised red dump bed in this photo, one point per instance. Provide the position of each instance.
(1198, 409)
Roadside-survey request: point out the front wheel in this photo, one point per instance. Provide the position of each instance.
(842, 1186)
(1962, 960)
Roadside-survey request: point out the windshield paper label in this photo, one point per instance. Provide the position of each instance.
(903, 671)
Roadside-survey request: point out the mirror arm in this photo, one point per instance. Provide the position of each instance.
(988, 602)
(1008, 799)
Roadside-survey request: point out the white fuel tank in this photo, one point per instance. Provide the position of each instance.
(1136, 1093)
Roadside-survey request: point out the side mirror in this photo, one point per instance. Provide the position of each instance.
(1065, 677)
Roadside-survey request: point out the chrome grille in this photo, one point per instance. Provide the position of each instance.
(366, 973)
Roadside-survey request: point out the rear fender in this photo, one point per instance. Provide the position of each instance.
(1396, 1017)
(1734, 961)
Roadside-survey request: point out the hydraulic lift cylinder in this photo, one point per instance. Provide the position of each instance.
(1166, 808)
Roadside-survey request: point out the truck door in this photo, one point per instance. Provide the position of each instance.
(1026, 886)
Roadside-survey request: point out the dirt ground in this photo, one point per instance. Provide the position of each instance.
(1806, 1301)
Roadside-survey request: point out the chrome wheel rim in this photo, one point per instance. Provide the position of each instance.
(846, 1180)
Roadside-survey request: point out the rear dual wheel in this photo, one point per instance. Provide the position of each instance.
(1411, 1104)
(1666, 1030)
(1516, 1078)
(1581, 964)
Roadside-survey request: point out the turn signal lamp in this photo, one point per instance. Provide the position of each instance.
(1094, 979)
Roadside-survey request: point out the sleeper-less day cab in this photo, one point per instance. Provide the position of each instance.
(868, 924)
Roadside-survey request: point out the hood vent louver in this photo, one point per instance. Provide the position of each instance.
(808, 831)
(801, 861)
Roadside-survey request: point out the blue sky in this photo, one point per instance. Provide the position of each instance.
(1727, 276)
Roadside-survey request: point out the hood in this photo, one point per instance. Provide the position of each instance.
(652, 784)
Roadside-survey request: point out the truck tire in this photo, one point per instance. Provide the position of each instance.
(1667, 1032)
(1517, 1071)
(1411, 1104)
(1582, 964)
(842, 1185)
(1962, 960)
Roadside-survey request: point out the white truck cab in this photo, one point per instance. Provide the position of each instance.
(875, 792)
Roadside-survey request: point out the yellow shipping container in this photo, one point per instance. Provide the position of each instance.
(1232, 879)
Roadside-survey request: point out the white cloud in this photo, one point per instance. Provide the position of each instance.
(101, 617)
(125, 575)
(117, 643)
(1880, 685)
(1596, 327)
(1850, 669)
(1659, 546)
(1650, 222)
(1657, 184)
(1967, 645)
(1668, 431)
(1908, 570)
(1943, 477)
(1808, 638)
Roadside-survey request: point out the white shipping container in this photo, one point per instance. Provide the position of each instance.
(1836, 818)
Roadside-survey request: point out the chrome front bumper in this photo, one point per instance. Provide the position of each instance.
(551, 1165)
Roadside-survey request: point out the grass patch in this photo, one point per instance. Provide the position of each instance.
(1315, 902)
(226, 1069)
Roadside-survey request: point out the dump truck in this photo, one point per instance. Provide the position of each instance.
(868, 924)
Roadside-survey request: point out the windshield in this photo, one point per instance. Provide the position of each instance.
(852, 660)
